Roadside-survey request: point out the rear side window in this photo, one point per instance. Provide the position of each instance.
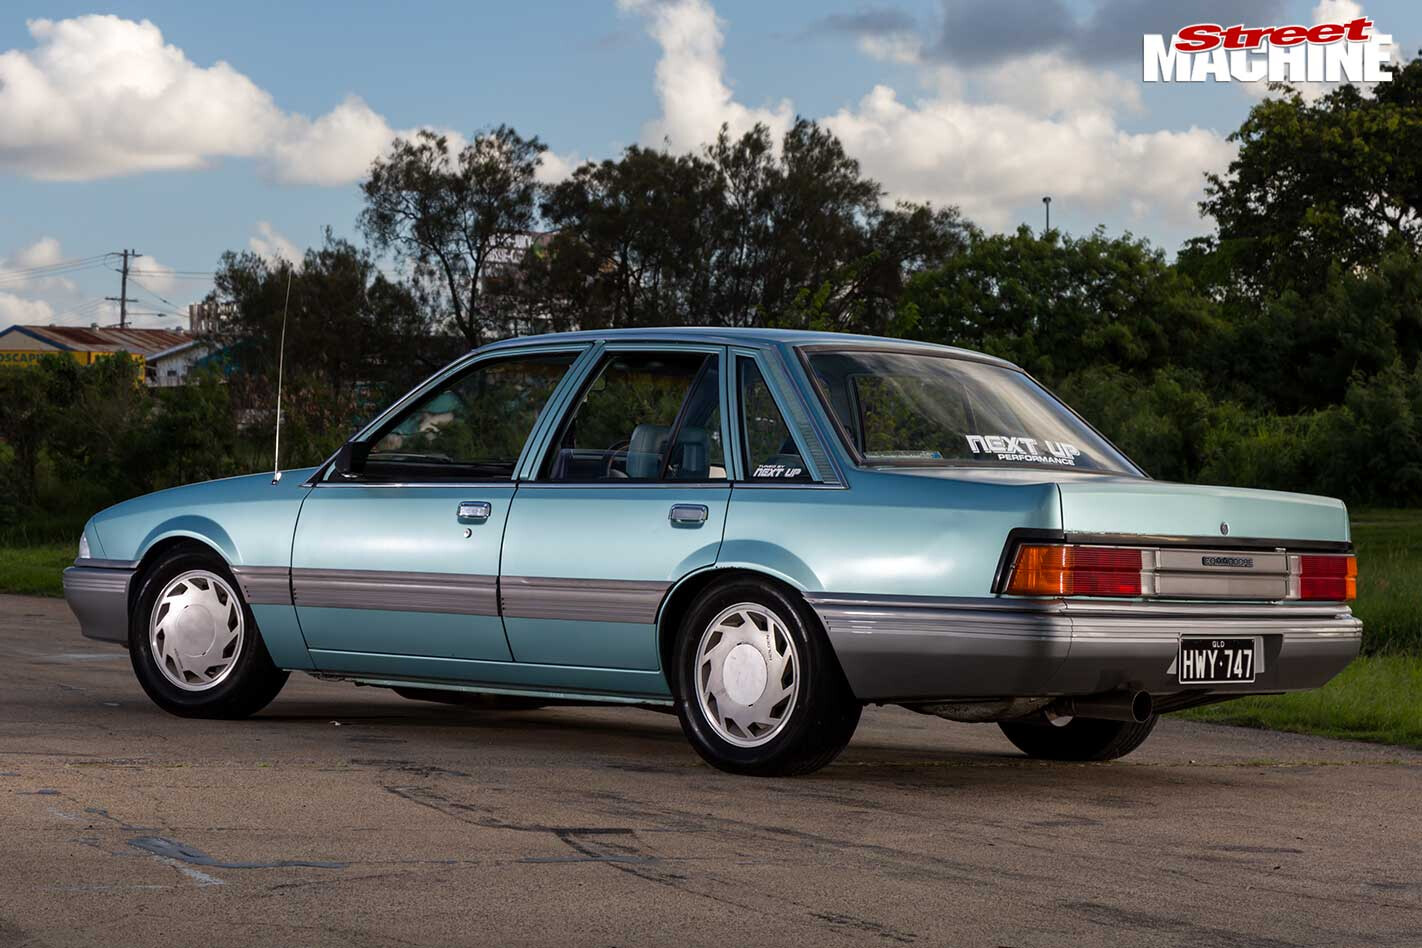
(770, 451)
(645, 416)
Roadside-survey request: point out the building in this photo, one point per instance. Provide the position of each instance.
(155, 350)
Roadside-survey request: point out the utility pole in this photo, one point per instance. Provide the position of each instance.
(1047, 203)
(122, 299)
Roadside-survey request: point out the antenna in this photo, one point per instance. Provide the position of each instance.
(281, 366)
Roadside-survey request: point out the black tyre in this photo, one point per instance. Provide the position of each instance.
(760, 691)
(1078, 738)
(194, 644)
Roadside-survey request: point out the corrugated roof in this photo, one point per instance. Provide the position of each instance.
(138, 341)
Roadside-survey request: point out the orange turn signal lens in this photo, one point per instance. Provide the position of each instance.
(1060, 570)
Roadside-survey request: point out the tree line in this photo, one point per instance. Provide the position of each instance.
(1283, 349)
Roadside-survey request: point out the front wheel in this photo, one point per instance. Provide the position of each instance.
(760, 691)
(193, 641)
(1079, 739)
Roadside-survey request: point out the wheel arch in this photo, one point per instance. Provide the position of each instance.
(679, 599)
(155, 549)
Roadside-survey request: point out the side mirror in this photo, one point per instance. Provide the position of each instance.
(350, 460)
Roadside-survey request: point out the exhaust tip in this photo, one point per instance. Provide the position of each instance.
(1142, 706)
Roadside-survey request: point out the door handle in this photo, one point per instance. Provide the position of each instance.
(689, 514)
(475, 510)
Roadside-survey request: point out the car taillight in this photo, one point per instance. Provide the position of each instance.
(1331, 578)
(1058, 570)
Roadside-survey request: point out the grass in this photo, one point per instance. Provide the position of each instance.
(34, 570)
(1377, 698)
(1389, 547)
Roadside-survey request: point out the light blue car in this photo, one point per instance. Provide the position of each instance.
(764, 530)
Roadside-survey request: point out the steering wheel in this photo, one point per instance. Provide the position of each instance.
(611, 454)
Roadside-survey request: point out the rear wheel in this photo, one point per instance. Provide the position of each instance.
(1084, 739)
(760, 691)
(193, 641)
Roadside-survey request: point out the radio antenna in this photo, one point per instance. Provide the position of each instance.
(281, 366)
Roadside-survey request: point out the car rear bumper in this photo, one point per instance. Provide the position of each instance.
(922, 648)
(98, 596)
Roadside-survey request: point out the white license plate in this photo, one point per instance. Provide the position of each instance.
(1205, 660)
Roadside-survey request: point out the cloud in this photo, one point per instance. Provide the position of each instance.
(689, 81)
(19, 309)
(273, 246)
(879, 21)
(555, 167)
(990, 140)
(975, 32)
(99, 96)
(17, 271)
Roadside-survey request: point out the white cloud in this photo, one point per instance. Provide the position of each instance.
(100, 96)
(556, 167)
(991, 141)
(19, 309)
(273, 246)
(696, 101)
(15, 272)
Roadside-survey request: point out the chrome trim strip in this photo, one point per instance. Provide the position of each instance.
(586, 600)
(264, 585)
(450, 593)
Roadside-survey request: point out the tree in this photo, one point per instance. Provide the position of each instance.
(1056, 304)
(741, 233)
(455, 218)
(1314, 182)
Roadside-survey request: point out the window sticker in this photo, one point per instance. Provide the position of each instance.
(777, 470)
(1029, 450)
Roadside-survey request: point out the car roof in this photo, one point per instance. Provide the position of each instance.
(737, 336)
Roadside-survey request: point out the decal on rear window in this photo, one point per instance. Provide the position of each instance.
(1030, 450)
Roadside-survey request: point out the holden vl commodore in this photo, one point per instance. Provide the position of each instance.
(763, 530)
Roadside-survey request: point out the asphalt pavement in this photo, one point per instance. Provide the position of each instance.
(348, 816)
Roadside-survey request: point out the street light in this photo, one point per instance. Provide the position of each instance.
(1047, 203)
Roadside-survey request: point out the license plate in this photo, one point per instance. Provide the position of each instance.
(1209, 660)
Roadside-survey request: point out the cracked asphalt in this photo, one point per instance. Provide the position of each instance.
(348, 816)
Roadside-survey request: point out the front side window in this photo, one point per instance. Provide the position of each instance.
(645, 416)
(898, 408)
(472, 427)
(770, 451)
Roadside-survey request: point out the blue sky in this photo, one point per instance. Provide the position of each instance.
(113, 137)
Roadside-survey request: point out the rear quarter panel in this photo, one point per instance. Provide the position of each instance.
(887, 534)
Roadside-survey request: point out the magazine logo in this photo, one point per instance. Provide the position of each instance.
(1325, 52)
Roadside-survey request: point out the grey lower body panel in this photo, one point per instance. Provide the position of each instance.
(922, 648)
(99, 600)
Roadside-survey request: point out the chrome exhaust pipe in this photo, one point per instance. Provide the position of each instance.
(1135, 707)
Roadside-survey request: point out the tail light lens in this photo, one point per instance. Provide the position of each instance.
(1058, 570)
(1331, 578)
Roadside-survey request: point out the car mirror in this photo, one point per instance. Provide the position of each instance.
(350, 459)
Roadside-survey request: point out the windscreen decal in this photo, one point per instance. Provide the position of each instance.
(1029, 450)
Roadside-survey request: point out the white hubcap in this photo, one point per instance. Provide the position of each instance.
(196, 630)
(747, 674)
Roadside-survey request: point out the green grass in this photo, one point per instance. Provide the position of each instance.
(34, 570)
(1377, 698)
(1389, 546)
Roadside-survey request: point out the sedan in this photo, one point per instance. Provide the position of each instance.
(763, 531)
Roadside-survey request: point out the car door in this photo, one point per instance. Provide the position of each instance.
(401, 556)
(628, 495)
